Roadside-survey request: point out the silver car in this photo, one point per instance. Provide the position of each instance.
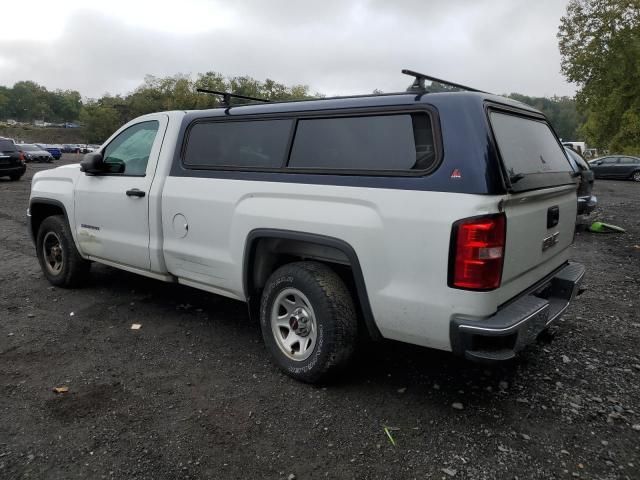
(33, 153)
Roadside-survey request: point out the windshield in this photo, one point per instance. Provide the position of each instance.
(530, 152)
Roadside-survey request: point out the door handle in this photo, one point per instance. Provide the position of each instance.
(134, 192)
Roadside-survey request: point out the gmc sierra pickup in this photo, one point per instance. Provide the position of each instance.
(438, 219)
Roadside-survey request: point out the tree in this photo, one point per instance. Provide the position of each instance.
(65, 105)
(28, 101)
(5, 93)
(99, 121)
(599, 42)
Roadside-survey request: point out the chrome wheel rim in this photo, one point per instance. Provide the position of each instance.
(636, 176)
(53, 254)
(293, 324)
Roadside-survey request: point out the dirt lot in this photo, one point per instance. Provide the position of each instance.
(192, 394)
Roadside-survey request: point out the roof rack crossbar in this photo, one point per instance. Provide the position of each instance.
(419, 86)
(227, 96)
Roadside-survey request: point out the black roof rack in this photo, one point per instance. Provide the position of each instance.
(418, 85)
(227, 96)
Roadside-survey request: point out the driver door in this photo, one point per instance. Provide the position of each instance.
(112, 209)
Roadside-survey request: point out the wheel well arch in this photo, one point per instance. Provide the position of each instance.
(268, 249)
(41, 208)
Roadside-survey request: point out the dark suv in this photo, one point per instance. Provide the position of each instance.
(587, 202)
(11, 160)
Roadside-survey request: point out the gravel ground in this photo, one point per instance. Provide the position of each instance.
(192, 394)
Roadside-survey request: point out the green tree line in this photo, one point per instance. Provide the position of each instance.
(599, 42)
(27, 101)
(103, 116)
(100, 117)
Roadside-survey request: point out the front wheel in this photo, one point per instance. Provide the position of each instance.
(635, 176)
(59, 259)
(308, 321)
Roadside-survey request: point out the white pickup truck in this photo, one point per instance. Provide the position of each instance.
(438, 219)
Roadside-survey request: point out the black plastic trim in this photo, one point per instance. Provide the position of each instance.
(6, 171)
(45, 201)
(344, 247)
(523, 317)
(295, 116)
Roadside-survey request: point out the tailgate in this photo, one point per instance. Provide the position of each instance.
(541, 205)
(540, 225)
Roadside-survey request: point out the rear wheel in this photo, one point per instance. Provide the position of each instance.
(635, 176)
(59, 259)
(308, 321)
(15, 177)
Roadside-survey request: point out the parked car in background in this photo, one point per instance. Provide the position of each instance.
(579, 147)
(34, 153)
(587, 202)
(54, 150)
(616, 166)
(70, 148)
(11, 160)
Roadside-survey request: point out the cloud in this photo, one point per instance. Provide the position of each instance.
(335, 47)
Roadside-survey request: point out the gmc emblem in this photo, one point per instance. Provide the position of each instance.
(550, 241)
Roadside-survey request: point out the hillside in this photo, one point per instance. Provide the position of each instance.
(31, 134)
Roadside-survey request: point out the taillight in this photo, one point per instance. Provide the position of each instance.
(477, 252)
(21, 157)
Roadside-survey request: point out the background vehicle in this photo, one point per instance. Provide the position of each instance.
(580, 147)
(332, 217)
(587, 202)
(33, 153)
(54, 150)
(70, 148)
(616, 166)
(11, 160)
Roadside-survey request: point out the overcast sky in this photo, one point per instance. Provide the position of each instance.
(334, 46)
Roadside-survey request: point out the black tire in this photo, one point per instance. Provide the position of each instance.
(15, 177)
(334, 315)
(72, 269)
(635, 176)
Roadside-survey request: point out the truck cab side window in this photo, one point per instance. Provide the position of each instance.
(128, 153)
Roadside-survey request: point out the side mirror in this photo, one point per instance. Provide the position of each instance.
(92, 163)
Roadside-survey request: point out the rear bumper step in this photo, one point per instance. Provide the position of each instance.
(511, 328)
